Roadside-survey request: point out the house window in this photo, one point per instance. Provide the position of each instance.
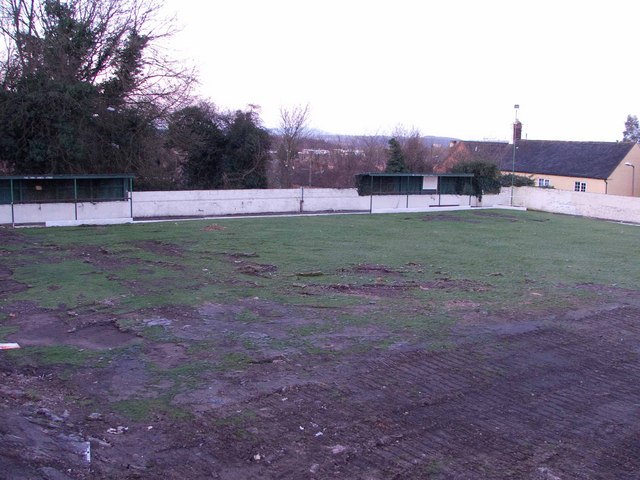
(544, 182)
(580, 187)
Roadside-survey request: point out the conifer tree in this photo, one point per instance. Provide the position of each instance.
(631, 130)
(395, 162)
(82, 87)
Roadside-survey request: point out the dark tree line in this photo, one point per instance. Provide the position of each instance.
(84, 88)
(81, 89)
(220, 150)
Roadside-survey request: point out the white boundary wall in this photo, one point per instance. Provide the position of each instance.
(595, 205)
(207, 203)
(204, 203)
(399, 203)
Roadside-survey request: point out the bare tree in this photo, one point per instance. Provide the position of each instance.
(293, 129)
(115, 45)
(375, 151)
(85, 85)
(416, 152)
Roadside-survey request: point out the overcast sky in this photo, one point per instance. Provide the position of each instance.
(449, 67)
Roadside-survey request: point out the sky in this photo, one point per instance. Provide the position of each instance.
(451, 68)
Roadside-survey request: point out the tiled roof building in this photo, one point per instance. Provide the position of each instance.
(598, 167)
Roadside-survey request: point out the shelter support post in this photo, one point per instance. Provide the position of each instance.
(13, 215)
(75, 196)
(131, 197)
(371, 195)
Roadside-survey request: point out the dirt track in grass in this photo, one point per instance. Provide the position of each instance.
(257, 389)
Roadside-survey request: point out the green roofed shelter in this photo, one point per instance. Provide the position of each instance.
(29, 189)
(65, 188)
(414, 183)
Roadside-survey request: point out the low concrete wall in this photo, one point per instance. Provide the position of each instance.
(247, 202)
(389, 203)
(333, 199)
(190, 203)
(204, 203)
(595, 205)
(64, 212)
(239, 202)
(502, 199)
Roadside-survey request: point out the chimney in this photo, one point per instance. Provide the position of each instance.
(517, 131)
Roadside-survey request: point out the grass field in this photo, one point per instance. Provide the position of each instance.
(504, 258)
(413, 274)
(175, 308)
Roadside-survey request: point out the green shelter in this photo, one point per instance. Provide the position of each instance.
(42, 189)
(64, 188)
(414, 183)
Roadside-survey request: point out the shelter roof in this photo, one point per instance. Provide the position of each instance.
(572, 159)
(65, 177)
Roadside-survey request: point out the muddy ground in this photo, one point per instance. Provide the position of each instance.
(546, 396)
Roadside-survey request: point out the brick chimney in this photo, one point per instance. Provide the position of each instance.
(517, 131)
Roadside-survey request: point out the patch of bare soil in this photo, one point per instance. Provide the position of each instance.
(235, 255)
(382, 271)
(370, 268)
(9, 236)
(165, 249)
(460, 304)
(166, 355)
(255, 269)
(528, 405)
(108, 261)
(7, 284)
(45, 328)
(35, 442)
(242, 265)
(464, 285)
(214, 227)
(501, 215)
(542, 398)
(610, 291)
(102, 258)
(506, 216)
(383, 288)
(366, 290)
(11, 286)
(447, 217)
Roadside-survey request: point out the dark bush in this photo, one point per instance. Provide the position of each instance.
(518, 180)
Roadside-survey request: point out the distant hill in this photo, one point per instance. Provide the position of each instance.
(336, 139)
(319, 137)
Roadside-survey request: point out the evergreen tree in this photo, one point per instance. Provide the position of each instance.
(395, 161)
(220, 150)
(196, 132)
(631, 130)
(486, 176)
(82, 88)
(247, 152)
